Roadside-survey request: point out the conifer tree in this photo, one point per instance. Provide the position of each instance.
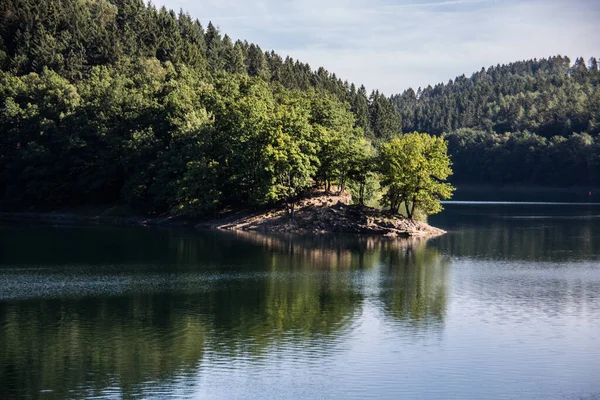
(214, 49)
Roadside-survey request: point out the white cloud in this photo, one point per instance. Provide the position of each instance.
(391, 45)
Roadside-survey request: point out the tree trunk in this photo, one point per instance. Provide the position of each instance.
(342, 185)
(361, 194)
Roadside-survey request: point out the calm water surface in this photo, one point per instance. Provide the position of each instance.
(505, 306)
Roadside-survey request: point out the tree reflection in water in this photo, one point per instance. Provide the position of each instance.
(211, 296)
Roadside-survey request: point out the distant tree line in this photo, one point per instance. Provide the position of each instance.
(481, 157)
(547, 97)
(529, 122)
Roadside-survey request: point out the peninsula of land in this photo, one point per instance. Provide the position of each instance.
(323, 213)
(318, 213)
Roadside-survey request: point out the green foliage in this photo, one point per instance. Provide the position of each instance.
(548, 97)
(198, 190)
(514, 124)
(337, 139)
(414, 169)
(364, 179)
(385, 120)
(72, 36)
(292, 151)
(115, 101)
(524, 158)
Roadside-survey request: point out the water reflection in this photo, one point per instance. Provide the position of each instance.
(417, 290)
(526, 232)
(71, 348)
(98, 311)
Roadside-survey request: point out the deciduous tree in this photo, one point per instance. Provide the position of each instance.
(414, 170)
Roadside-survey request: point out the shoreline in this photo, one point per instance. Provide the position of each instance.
(527, 193)
(66, 218)
(321, 215)
(316, 215)
(414, 229)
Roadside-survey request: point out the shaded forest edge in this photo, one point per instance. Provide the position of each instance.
(316, 213)
(118, 102)
(527, 193)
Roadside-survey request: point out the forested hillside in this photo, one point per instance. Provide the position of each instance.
(71, 37)
(116, 102)
(527, 122)
(107, 102)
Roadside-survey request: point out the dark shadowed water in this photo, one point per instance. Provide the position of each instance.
(505, 306)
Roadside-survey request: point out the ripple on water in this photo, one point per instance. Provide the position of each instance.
(454, 318)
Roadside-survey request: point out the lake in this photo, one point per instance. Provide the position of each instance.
(505, 306)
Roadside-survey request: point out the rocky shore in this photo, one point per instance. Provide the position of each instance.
(327, 214)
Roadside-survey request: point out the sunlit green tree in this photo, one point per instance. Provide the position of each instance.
(414, 170)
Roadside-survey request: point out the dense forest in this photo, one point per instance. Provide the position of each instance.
(117, 102)
(530, 122)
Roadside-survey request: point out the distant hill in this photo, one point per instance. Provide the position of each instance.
(548, 97)
(528, 122)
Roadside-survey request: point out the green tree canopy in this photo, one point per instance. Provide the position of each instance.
(414, 170)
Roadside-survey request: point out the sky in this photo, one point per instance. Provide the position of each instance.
(392, 45)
